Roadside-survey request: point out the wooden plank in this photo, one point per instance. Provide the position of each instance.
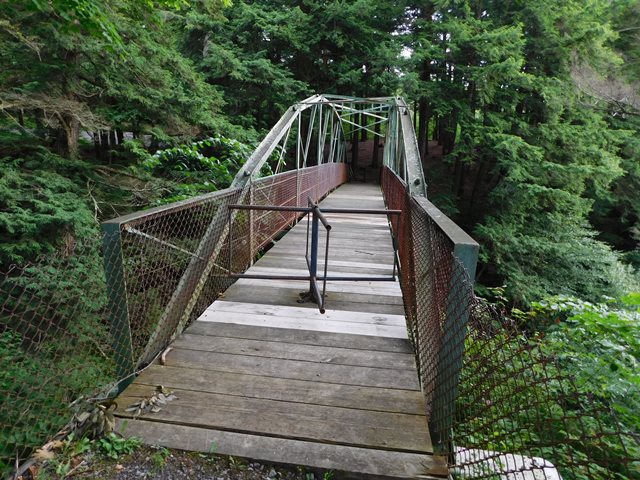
(339, 248)
(363, 288)
(297, 312)
(365, 461)
(288, 420)
(292, 351)
(301, 265)
(379, 238)
(337, 301)
(290, 293)
(294, 369)
(334, 264)
(297, 248)
(353, 227)
(250, 416)
(304, 324)
(380, 233)
(285, 268)
(360, 254)
(301, 337)
(300, 391)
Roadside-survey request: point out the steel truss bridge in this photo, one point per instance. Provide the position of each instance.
(301, 318)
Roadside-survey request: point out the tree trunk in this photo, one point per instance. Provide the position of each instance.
(67, 136)
(461, 177)
(423, 126)
(376, 147)
(475, 190)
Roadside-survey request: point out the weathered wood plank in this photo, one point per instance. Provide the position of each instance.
(292, 351)
(251, 416)
(366, 461)
(294, 369)
(334, 265)
(285, 268)
(297, 312)
(255, 386)
(289, 420)
(301, 337)
(305, 324)
(362, 288)
(337, 301)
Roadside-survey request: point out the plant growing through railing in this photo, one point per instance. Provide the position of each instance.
(566, 388)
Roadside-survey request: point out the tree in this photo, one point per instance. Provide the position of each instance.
(527, 155)
(73, 65)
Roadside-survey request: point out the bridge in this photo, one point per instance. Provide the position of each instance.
(318, 312)
(314, 315)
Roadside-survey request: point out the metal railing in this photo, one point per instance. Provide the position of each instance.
(498, 406)
(315, 216)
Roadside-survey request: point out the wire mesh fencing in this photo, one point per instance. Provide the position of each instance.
(55, 345)
(77, 326)
(499, 405)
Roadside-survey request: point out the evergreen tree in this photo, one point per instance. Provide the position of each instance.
(527, 155)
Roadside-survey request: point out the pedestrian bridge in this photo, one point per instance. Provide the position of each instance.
(313, 316)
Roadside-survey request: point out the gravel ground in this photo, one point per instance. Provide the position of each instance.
(163, 464)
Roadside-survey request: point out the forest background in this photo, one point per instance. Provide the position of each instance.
(527, 115)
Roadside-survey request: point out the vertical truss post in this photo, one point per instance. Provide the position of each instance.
(298, 147)
(252, 234)
(320, 137)
(118, 303)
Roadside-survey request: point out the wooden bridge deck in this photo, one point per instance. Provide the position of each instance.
(259, 375)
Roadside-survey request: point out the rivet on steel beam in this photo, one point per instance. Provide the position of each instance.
(416, 181)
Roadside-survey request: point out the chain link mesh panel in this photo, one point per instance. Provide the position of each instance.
(498, 406)
(76, 324)
(55, 344)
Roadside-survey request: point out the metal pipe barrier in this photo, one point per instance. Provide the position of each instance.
(314, 215)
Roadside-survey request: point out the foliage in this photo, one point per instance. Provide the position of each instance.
(40, 207)
(598, 345)
(114, 446)
(529, 153)
(66, 451)
(61, 72)
(565, 389)
(218, 158)
(23, 366)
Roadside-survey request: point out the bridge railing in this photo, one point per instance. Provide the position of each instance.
(147, 254)
(437, 260)
(76, 326)
(498, 405)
